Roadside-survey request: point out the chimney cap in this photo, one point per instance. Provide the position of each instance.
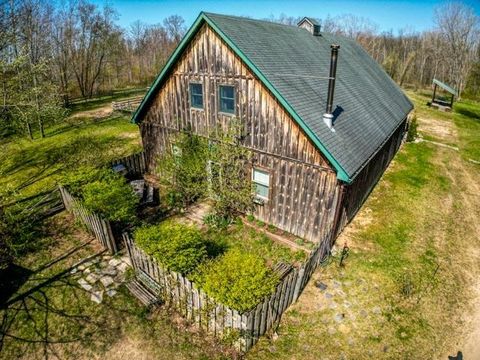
(311, 25)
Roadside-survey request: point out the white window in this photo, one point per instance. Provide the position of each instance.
(261, 182)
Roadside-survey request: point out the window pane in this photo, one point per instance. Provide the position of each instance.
(261, 190)
(227, 105)
(227, 99)
(226, 92)
(197, 101)
(261, 177)
(196, 95)
(196, 89)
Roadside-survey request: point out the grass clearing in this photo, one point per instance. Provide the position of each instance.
(29, 167)
(408, 280)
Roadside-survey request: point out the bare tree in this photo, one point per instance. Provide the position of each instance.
(94, 31)
(458, 27)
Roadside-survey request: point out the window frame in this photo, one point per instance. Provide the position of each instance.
(190, 86)
(267, 172)
(223, 111)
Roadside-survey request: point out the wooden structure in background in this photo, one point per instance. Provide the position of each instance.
(440, 104)
(127, 105)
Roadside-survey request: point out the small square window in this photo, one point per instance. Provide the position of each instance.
(261, 181)
(196, 96)
(227, 99)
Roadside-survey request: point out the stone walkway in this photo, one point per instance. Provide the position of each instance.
(102, 275)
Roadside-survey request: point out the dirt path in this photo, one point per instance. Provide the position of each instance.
(100, 112)
(464, 178)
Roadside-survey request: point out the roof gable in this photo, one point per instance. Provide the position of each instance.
(294, 66)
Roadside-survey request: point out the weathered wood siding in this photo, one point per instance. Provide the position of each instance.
(303, 185)
(357, 192)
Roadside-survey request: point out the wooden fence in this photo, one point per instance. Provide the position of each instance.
(39, 206)
(192, 303)
(129, 105)
(98, 226)
(135, 163)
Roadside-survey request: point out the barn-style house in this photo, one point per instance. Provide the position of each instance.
(322, 119)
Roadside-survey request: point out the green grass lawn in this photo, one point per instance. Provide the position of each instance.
(407, 282)
(28, 167)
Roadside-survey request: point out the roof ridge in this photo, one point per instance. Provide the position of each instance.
(244, 18)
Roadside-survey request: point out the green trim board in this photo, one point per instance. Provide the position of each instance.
(341, 173)
(445, 87)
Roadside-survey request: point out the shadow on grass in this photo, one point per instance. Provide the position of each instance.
(54, 312)
(11, 279)
(473, 114)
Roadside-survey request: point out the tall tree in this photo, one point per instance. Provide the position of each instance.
(458, 27)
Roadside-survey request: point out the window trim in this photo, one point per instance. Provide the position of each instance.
(192, 94)
(269, 186)
(230, 113)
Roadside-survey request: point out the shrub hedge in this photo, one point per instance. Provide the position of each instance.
(176, 246)
(237, 279)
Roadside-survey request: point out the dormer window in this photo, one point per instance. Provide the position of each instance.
(196, 96)
(227, 99)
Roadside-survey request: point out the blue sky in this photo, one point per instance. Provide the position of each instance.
(387, 14)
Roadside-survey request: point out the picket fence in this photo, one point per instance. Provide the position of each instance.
(98, 226)
(135, 163)
(196, 306)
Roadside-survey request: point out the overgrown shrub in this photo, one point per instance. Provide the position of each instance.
(77, 179)
(412, 133)
(231, 187)
(183, 170)
(111, 197)
(236, 279)
(176, 246)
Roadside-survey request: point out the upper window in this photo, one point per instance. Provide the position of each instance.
(196, 95)
(261, 181)
(227, 99)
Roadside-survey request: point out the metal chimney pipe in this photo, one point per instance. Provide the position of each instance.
(333, 73)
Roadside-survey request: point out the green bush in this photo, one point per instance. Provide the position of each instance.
(82, 175)
(183, 170)
(176, 246)
(412, 133)
(111, 197)
(215, 221)
(237, 279)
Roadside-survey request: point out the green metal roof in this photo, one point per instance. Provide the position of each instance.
(294, 66)
(445, 87)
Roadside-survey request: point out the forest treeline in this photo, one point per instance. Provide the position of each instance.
(54, 52)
